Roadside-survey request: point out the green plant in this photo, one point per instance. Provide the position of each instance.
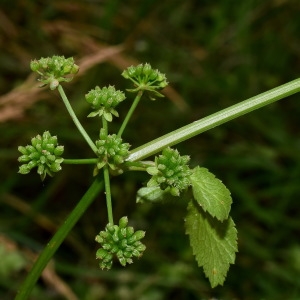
(211, 229)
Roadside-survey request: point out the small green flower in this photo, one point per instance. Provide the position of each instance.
(171, 172)
(54, 70)
(111, 150)
(146, 79)
(104, 101)
(120, 241)
(43, 153)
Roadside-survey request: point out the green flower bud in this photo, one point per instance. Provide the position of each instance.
(74, 69)
(136, 253)
(43, 153)
(123, 222)
(111, 228)
(129, 231)
(101, 253)
(114, 249)
(58, 151)
(104, 234)
(54, 70)
(23, 150)
(34, 65)
(103, 101)
(131, 71)
(122, 232)
(24, 158)
(107, 247)
(105, 265)
(146, 79)
(115, 236)
(32, 164)
(115, 241)
(139, 234)
(122, 261)
(24, 169)
(108, 258)
(141, 247)
(139, 70)
(41, 171)
(124, 242)
(111, 150)
(147, 69)
(127, 254)
(55, 167)
(171, 172)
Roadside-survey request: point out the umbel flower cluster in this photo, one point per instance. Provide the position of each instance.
(104, 101)
(146, 79)
(111, 150)
(43, 153)
(119, 240)
(171, 172)
(54, 70)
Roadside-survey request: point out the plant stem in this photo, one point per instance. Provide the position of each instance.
(214, 120)
(75, 119)
(130, 112)
(108, 194)
(104, 125)
(107, 181)
(58, 238)
(80, 161)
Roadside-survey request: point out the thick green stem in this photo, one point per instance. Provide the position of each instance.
(130, 112)
(108, 194)
(58, 238)
(75, 119)
(214, 120)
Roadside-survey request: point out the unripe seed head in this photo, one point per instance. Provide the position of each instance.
(121, 241)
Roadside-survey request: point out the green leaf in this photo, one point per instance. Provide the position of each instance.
(214, 243)
(150, 194)
(155, 194)
(210, 193)
(107, 116)
(93, 114)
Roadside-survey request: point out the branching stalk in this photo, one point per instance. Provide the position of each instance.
(75, 119)
(108, 194)
(134, 161)
(130, 112)
(107, 181)
(80, 161)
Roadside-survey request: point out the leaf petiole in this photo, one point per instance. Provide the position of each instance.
(214, 120)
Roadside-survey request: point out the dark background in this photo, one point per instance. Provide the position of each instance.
(214, 54)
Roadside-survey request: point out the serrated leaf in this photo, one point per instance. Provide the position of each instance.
(214, 243)
(210, 193)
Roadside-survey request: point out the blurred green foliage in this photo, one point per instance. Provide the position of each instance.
(214, 54)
